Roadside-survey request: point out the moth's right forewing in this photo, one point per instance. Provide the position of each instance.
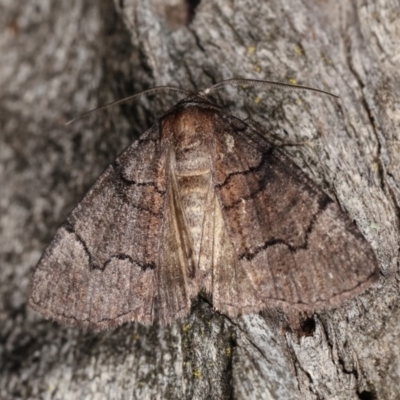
(297, 248)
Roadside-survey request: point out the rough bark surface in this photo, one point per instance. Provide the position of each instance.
(59, 59)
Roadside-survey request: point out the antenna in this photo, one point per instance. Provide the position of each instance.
(206, 92)
(126, 99)
(262, 83)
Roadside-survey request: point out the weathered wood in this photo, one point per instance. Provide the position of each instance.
(59, 59)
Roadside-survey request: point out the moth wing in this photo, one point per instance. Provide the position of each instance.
(176, 267)
(100, 269)
(290, 244)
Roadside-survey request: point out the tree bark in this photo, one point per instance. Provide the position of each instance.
(59, 59)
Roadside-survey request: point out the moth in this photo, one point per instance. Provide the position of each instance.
(202, 201)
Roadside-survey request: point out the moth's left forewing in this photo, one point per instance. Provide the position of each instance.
(99, 270)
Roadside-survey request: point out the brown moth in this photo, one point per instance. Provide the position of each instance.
(202, 201)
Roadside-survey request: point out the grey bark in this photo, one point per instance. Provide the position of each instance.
(59, 59)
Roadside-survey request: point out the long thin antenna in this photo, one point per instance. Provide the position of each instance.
(124, 100)
(218, 86)
(261, 83)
